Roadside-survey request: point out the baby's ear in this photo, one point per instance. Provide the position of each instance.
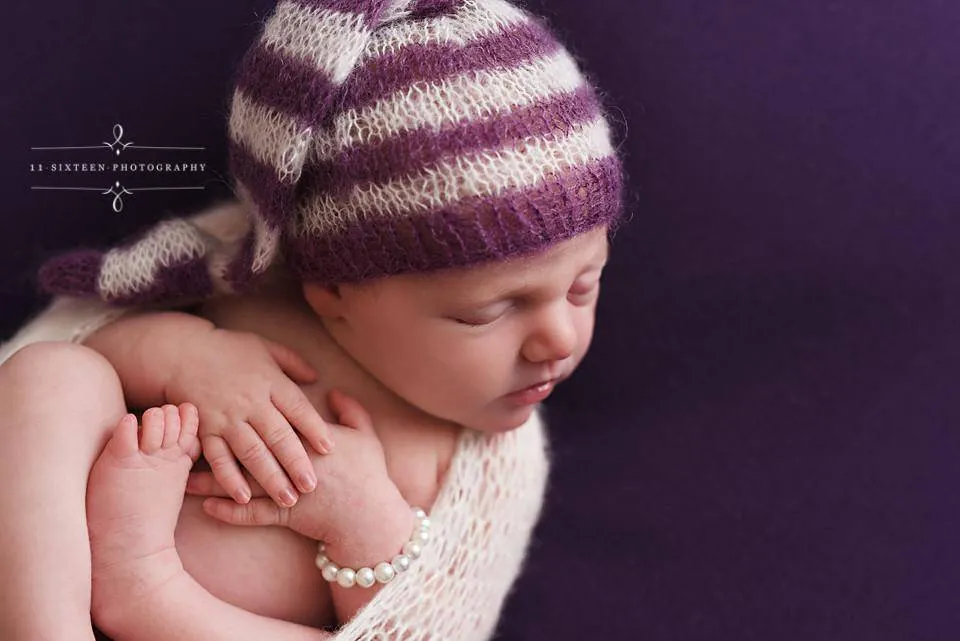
(325, 300)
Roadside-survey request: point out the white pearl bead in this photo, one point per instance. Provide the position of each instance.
(346, 578)
(384, 572)
(321, 561)
(412, 549)
(366, 577)
(401, 563)
(419, 513)
(422, 536)
(330, 572)
(425, 523)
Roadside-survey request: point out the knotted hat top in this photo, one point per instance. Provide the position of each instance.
(379, 137)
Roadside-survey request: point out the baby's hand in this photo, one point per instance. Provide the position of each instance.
(353, 481)
(249, 409)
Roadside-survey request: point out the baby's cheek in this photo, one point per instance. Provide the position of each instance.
(585, 333)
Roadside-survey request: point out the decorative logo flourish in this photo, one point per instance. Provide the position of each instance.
(117, 135)
(117, 200)
(117, 145)
(117, 191)
(120, 146)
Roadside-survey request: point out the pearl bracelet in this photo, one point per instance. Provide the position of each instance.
(383, 572)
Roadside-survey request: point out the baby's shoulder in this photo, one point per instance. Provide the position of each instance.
(256, 312)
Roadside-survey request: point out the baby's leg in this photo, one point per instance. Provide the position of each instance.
(133, 502)
(59, 403)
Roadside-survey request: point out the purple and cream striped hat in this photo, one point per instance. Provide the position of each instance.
(378, 137)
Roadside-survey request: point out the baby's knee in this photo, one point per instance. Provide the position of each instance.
(63, 374)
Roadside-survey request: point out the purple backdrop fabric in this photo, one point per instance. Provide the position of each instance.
(762, 442)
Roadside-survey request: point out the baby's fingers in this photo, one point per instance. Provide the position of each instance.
(349, 411)
(206, 484)
(296, 407)
(225, 468)
(256, 512)
(258, 459)
(286, 446)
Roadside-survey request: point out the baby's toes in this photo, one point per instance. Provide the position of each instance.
(151, 434)
(124, 440)
(171, 426)
(189, 425)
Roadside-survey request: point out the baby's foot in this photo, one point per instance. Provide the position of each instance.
(134, 496)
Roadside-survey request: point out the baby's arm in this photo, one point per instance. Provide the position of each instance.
(145, 350)
(376, 534)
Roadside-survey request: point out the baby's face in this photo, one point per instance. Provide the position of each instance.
(459, 344)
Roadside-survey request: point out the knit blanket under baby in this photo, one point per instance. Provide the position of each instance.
(483, 517)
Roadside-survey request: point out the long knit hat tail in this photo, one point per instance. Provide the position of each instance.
(286, 85)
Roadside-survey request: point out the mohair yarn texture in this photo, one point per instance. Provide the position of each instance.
(379, 137)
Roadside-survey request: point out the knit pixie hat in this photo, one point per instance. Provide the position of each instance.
(378, 137)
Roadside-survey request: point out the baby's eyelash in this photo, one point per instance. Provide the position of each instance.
(469, 323)
(479, 319)
(478, 323)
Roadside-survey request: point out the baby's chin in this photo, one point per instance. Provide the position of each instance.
(494, 418)
(501, 421)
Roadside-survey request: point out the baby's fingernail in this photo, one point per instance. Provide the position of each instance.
(308, 482)
(288, 498)
(243, 495)
(326, 445)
